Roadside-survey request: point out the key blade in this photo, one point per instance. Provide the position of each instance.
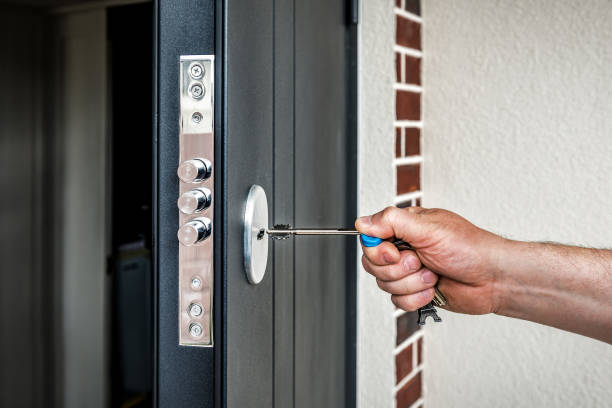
(284, 231)
(280, 232)
(325, 231)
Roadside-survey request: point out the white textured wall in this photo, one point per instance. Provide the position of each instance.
(375, 322)
(518, 138)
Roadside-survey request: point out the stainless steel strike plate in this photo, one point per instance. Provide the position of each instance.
(196, 200)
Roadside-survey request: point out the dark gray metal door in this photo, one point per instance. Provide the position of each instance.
(284, 119)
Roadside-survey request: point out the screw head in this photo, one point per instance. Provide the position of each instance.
(195, 329)
(196, 282)
(196, 71)
(197, 91)
(196, 117)
(195, 310)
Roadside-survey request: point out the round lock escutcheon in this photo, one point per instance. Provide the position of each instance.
(255, 237)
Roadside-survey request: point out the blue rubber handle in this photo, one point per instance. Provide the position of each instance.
(368, 241)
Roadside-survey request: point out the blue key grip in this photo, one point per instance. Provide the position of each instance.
(368, 241)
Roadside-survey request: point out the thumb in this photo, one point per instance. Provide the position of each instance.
(404, 224)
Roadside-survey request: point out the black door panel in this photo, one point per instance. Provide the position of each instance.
(285, 120)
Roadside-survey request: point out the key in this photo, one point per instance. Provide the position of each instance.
(427, 311)
(285, 231)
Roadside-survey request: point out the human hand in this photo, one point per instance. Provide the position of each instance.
(448, 250)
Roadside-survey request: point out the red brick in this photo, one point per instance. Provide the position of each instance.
(409, 393)
(412, 141)
(406, 324)
(398, 67)
(407, 33)
(403, 364)
(398, 142)
(408, 178)
(413, 70)
(420, 352)
(407, 105)
(398, 3)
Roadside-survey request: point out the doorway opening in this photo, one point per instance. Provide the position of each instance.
(76, 161)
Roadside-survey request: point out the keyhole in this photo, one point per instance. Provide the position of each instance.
(261, 234)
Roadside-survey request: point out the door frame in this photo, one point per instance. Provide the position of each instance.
(183, 376)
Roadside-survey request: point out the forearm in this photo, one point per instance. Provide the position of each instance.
(561, 286)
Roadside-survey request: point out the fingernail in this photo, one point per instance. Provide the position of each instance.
(428, 277)
(365, 221)
(387, 258)
(411, 263)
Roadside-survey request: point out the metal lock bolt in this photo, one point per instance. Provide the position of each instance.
(194, 170)
(194, 201)
(194, 231)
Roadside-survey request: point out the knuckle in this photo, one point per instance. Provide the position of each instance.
(393, 274)
(390, 213)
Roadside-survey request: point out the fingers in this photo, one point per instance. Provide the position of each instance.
(413, 283)
(393, 222)
(384, 254)
(408, 262)
(413, 301)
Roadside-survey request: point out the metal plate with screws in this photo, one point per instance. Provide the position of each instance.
(196, 200)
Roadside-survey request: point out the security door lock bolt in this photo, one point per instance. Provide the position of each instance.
(194, 170)
(195, 201)
(194, 231)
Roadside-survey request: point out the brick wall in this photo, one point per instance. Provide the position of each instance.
(408, 160)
